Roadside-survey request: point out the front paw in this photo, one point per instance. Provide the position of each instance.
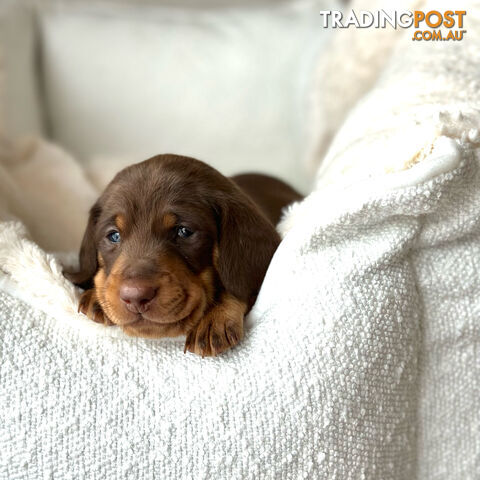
(220, 329)
(90, 307)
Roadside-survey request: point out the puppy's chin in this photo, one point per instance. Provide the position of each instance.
(148, 329)
(121, 316)
(158, 328)
(157, 321)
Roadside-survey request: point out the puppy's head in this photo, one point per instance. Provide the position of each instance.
(165, 239)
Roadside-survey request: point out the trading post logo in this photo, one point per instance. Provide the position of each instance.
(430, 26)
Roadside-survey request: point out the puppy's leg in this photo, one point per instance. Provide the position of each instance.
(90, 307)
(220, 328)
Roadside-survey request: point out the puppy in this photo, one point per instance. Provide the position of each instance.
(172, 247)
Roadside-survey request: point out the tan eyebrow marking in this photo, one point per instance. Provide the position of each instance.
(120, 222)
(169, 220)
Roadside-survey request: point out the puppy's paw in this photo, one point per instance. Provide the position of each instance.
(220, 329)
(90, 307)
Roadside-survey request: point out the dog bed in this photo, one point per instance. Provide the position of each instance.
(325, 384)
(360, 358)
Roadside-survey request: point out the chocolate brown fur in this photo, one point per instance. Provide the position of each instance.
(156, 281)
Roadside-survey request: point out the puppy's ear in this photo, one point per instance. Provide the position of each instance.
(246, 244)
(88, 254)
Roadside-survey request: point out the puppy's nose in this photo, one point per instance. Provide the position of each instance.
(137, 295)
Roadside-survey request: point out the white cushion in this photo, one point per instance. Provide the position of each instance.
(48, 190)
(348, 70)
(226, 85)
(20, 103)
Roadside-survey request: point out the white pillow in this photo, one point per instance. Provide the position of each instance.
(20, 104)
(48, 190)
(226, 85)
(348, 70)
(417, 98)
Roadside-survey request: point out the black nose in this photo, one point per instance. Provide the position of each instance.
(137, 295)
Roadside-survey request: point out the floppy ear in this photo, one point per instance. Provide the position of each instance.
(247, 242)
(88, 254)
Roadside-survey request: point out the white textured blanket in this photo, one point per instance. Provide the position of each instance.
(326, 383)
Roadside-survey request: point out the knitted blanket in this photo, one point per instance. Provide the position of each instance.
(367, 282)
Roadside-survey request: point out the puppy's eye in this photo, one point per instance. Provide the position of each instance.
(184, 232)
(114, 237)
